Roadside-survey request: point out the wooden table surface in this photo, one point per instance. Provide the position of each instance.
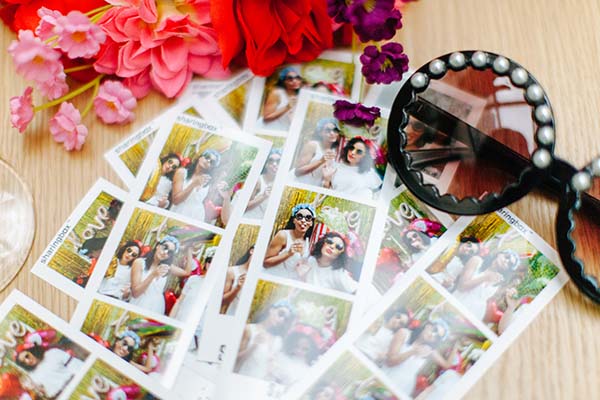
(557, 356)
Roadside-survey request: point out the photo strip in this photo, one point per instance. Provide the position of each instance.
(424, 340)
(41, 357)
(273, 101)
(70, 258)
(199, 170)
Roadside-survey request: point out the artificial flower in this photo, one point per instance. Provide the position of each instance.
(266, 34)
(355, 114)
(384, 65)
(77, 36)
(66, 127)
(336, 9)
(21, 110)
(374, 20)
(55, 87)
(114, 103)
(140, 85)
(47, 28)
(33, 59)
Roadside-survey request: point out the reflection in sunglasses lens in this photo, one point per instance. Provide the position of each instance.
(587, 233)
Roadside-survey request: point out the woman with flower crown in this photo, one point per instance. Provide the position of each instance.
(355, 173)
(119, 284)
(280, 101)
(291, 244)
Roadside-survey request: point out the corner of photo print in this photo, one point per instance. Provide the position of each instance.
(42, 357)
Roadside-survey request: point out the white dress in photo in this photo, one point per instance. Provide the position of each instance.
(282, 123)
(327, 277)
(116, 284)
(377, 345)
(287, 370)
(451, 272)
(153, 298)
(287, 268)
(193, 205)
(315, 177)
(475, 299)
(55, 371)
(188, 297)
(348, 180)
(404, 375)
(259, 362)
(258, 212)
(236, 279)
(163, 189)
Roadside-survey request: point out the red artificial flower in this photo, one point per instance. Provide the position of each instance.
(268, 33)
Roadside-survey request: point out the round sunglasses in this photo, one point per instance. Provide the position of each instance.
(486, 117)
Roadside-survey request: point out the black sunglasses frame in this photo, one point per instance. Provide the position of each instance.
(543, 170)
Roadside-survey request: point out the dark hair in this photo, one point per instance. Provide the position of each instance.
(93, 244)
(291, 341)
(37, 351)
(290, 225)
(191, 167)
(366, 163)
(283, 73)
(272, 152)
(166, 158)
(150, 256)
(393, 311)
(489, 260)
(467, 239)
(285, 326)
(317, 250)
(417, 332)
(129, 243)
(129, 355)
(245, 257)
(114, 208)
(426, 239)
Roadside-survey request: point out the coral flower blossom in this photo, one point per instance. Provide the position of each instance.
(33, 59)
(114, 103)
(21, 110)
(66, 127)
(77, 36)
(355, 114)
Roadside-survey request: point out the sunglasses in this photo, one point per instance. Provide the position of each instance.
(491, 117)
(131, 252)
(273, 161)
(166, 248)
(356, 150)
(338, 246)
(283, 313)
(307, 217)
(292, 78)
(211, 160)
(331, 130)
(126, 345)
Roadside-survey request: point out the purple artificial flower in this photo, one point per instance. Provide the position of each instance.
(355, 114)
(336, 9)
(374, 19)
(384, 66)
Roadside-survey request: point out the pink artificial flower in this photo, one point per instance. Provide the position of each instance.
(21, 110)
(140, 85)
(78, 37)
(55, 87)
(66, 127)
(48, 26)
(35, 60)
(114, 103)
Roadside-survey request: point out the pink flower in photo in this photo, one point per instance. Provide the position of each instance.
(78, 37)
(33, 59)
(48, 26)
(21, 110)
(66, 127)
(55, 87)
(114, 103)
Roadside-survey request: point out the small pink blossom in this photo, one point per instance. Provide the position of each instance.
(33, 59)
(78, 37)
(114, 103)
(21, 110)
(48, 26)
(55, 87)
(66, 127)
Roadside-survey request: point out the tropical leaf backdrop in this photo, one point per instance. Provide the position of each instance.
(344, 376)
(235, 102)
(134, 156)
(309, 305)
(95, 223)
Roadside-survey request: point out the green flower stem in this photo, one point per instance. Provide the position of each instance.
(79, 68)
(98, 16)
(69, 96)
(98, 10)
(90, 103)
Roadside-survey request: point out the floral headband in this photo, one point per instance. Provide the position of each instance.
(309, 331)
(303, 206)
(131, 334)
(183, 161)
(368, 144)
(171, 239)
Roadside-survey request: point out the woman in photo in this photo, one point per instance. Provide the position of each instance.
(480, 279)
(191, 185)
(355, 173)
(410, 350)
(416, 242)
(299, 352)
(376, 345)
(234, 282)
(291, 244)
(161, 181)
(326, 266)
(468, 247)
(258, 202)
(318, 152)
(280, 102)
(150, 273)
(192, 286)
(263, 339)
(326, 391)
(119, 285)
(49, 368)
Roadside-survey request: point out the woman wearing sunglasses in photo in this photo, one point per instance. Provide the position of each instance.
(150, 273)
(291, 244)
(321, 150)
(257, 204)
(280, 101)
(119, 284)
(326, 266)
(190, 185)
(355, 173)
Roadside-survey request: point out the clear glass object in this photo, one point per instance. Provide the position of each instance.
(17, 223)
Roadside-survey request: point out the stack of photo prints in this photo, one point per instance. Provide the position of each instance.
(265, 250)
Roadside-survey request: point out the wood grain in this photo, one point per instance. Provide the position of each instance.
(557, 356)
